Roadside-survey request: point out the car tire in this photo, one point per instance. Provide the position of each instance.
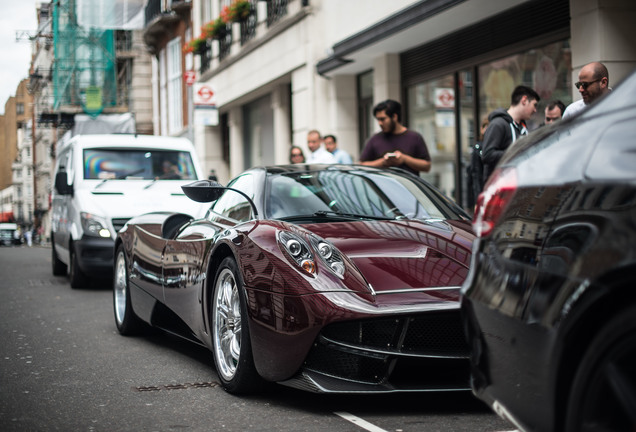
(603, 394)
(127, 322)
(58, 267)
(77, 277)
(230, 333)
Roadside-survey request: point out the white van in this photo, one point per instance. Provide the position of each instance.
(8, 234)
(101, 181)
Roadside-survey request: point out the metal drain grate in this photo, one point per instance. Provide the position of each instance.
(176, 386)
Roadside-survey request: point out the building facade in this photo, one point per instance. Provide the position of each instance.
(297, 65)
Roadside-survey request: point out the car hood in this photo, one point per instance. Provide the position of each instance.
(404, 255)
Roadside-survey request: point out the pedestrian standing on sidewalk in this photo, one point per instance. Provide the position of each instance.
(506, 126)
(395, 145)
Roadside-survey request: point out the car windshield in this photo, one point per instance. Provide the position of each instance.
(355, 194)
(142, 164)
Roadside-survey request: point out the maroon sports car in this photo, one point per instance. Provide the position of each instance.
(328, 278)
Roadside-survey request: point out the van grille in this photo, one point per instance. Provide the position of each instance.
(118, 223)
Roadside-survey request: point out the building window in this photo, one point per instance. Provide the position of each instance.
(163, 93)
(19, 108)
(175, 90)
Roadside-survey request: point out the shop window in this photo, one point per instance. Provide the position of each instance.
(454, 106)
(431, 113)
(547, 70)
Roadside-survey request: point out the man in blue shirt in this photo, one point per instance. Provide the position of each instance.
(331, 144)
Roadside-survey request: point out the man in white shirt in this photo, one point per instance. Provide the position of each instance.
(317, 153)
(592, 84)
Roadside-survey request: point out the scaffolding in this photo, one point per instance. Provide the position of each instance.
(84, 69)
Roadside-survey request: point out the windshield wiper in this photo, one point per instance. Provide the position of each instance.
(121, 176)
(325, 213)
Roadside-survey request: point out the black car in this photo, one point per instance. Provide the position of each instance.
(549, 304)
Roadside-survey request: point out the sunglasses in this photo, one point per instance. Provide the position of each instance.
(296, 154)
(584, 84)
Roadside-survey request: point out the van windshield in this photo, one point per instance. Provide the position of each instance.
(142, 164)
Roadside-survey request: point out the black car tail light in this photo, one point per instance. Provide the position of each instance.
(493, 200)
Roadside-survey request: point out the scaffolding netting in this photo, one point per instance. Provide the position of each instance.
(84, 69)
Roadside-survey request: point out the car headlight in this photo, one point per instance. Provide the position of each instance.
(304, 255)
(94, 226)
(298, 250)
(328, 254)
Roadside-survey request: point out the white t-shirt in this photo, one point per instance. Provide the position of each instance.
(574, 108)
(321, 155)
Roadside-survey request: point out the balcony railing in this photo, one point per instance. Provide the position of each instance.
(276, 10)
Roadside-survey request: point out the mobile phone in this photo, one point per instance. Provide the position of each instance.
(390, 155)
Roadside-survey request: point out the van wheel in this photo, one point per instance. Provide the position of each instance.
(76, 275)
(59, 268)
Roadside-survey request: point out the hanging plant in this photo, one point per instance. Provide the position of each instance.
(214, 29)
(195, 45)
(236, 11)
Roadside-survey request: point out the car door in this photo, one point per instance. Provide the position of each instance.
(146, 262)
(184, 271)
(184, 258)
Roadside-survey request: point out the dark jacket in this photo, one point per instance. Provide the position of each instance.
(502, 131)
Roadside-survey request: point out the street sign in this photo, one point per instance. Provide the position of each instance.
(190, 77)
(204, 95)
(444, 98)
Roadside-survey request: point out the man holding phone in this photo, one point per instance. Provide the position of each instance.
(395, 145)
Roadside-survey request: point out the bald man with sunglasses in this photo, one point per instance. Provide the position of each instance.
(592, 84)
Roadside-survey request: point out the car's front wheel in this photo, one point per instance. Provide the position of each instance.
(231, 338)
(127, 322)
(603, 395)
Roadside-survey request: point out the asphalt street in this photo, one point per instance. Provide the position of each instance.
(65, 368)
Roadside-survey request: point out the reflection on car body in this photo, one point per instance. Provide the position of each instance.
(549, 303)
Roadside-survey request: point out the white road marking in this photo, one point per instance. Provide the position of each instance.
(370, 426)
(359, 422)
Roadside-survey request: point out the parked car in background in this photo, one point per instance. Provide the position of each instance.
(101, 181)
(327, 278)
(550, 301)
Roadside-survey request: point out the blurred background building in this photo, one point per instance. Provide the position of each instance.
(246, 79)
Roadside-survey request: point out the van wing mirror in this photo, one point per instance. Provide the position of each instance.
(61, 184)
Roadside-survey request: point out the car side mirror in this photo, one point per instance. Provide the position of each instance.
(61, 184)
(203, 190)
(209, 190)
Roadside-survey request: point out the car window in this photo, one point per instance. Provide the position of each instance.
(232, 205)
(360, 192)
